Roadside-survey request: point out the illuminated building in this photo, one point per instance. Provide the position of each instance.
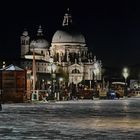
(74, 62)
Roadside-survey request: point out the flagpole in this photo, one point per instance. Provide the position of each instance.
(35, 95)
(34, 71)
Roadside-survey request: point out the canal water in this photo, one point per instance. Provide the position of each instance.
(72, 120)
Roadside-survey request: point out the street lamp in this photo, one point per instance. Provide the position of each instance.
(96, 71)
(42, 84)
(125, 74)
(59, 88)
(60, 82)
(52, 69)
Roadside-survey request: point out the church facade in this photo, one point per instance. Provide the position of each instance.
(67, 56)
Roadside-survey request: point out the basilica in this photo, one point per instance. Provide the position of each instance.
(67, 55)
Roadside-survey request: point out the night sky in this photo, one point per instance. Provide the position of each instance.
(111, 29)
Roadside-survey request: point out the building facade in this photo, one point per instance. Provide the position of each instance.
(67, 51)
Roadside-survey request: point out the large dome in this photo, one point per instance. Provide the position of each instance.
(68, 35)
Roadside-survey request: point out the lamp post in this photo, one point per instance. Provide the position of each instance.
(60, 82)
(125, 74)
(42, 84)
(52, 69)
(90, 79)
(59, 88)
(96, 71)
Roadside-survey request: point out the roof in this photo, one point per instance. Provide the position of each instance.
(12, 68)
(120, 83)
(39, 41)
(68, 35)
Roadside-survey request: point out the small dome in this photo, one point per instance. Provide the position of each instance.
(68, 35)
(25, 33)
(39, 41)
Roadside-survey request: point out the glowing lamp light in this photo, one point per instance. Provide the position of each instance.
(96, 69)
(125, 73)
(53, 67)
(61, 79)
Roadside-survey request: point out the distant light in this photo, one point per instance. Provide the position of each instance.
(125, 70)
(48, 82)
(60, 79)
(96, 69)
(125, 73)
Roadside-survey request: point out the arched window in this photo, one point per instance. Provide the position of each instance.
(27, 42)
(23, 42)
(75, 71)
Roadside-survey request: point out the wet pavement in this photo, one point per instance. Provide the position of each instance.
(72, 120)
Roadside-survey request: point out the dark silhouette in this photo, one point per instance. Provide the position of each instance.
(0, 107)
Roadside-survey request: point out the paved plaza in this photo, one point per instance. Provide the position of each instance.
(72, 120)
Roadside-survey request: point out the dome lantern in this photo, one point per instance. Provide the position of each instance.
(25, 32)
(40, 32)
(39, 41)
(67, 19)
(68, 33)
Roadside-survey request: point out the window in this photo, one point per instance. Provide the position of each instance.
(75, 71)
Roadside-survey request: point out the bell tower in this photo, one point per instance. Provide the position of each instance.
(24, 43)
